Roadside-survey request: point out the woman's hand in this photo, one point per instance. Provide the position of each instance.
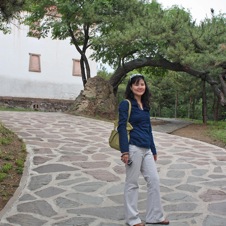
(155, 157)
(125, 157)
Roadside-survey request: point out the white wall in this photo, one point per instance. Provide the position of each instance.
(55, 80)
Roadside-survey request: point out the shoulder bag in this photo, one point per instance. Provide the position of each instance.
(114, 136)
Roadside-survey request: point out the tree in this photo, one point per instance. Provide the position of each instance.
(174, 95)
(77, 20)
(168, 39)
(9, 9)
(134, 34)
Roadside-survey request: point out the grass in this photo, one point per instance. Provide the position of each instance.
(2, 108)
(12, 157)
(217, 130)
(6, 168)
(5, 140)
(2, 176)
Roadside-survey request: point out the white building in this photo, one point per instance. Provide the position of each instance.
(39, 68)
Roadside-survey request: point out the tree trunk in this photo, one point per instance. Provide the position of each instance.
(160, 111)
(215, 109)
(193, 109)
(176, 104)
(85, 47)
(223, 81)
(84, 80)
(204, 103)
(189, 107)
(84, 63)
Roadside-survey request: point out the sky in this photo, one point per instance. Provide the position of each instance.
(199, 9)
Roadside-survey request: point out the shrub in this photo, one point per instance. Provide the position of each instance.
(6, 167)
(2, 176)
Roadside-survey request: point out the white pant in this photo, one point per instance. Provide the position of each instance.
(143, 162)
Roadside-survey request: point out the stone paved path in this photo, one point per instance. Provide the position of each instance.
(73, 178)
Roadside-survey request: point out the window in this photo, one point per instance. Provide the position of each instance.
(76, 71)
(34, 62)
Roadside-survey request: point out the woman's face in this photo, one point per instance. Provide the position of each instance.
(138, 88)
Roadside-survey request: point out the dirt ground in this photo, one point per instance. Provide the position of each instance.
(10, 153)
(198, 132)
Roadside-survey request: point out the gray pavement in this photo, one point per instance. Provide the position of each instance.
(170, 124)
(72, 177)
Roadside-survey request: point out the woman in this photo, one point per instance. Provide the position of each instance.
(141, 151)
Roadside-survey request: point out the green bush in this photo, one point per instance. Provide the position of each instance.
(20, 166)
(6, 167)
(2, 176)
(217, 130)
(20, 162)
(5, 141)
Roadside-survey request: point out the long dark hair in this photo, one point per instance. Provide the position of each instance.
(134, 79)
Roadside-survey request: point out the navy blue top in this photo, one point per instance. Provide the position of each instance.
(141, 135)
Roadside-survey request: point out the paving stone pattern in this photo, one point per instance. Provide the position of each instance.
(72, 177)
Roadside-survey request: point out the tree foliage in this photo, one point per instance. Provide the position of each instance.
(169, 39)
(132, 35)
(65, 19)
(78, 20)
(9, 9)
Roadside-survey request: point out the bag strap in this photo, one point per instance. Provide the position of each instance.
(129, 110)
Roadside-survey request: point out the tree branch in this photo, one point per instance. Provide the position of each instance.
(121, 72)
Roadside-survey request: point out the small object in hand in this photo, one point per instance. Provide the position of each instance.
(129, 163)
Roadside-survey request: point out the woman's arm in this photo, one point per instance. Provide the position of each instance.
(123, 116)
(152, 143)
